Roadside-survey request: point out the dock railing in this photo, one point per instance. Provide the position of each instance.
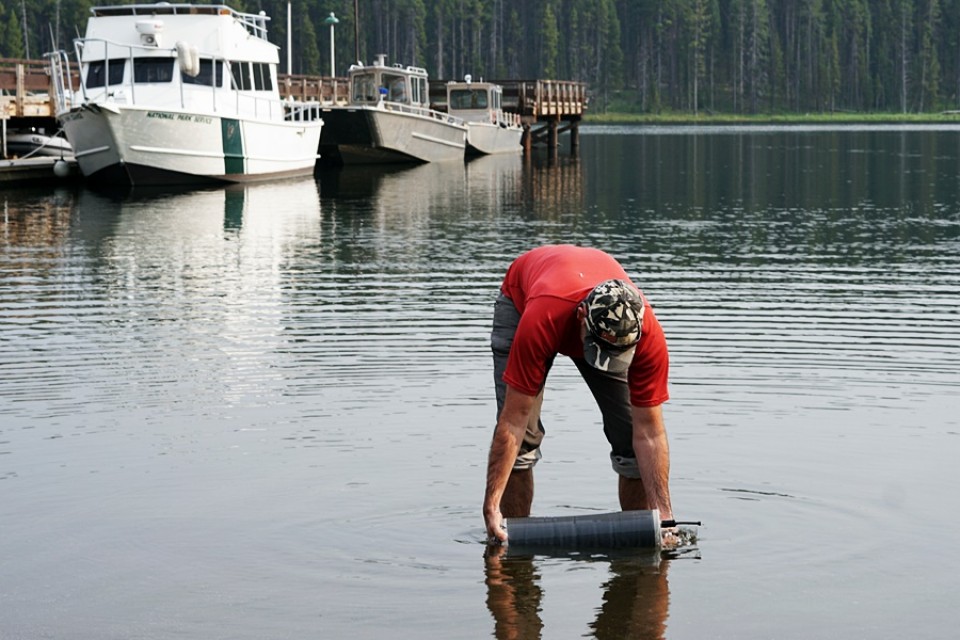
(26, 87)
(541, 98)
(324, 89)
(532, 100)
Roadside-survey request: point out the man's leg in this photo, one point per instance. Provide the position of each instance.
(518, 494)
(612, 394)
(633, 496)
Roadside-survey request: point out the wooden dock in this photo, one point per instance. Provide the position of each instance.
(25, 103)
(42, 169)
(25, 89)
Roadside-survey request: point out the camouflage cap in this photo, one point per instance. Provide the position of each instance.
(614, 318)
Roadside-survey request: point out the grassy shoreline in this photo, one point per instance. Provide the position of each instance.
(787, 118)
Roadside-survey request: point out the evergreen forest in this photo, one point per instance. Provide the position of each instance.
(719, 56)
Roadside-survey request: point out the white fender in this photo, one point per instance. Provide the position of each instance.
(189, 59)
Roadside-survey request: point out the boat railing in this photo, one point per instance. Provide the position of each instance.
(499, 116)
(61, 81)
(269, 107)
(255, 24)
(301, 111)
(221, 98)
(422, 111)
(124, 52)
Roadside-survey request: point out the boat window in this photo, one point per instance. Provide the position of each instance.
(98, 69)
(468, 99)
(415, 96)
(261, 77)
(419, 86)
(241, 75)
(206, 75)
(396, 86)
(153, 70)
(365, 88)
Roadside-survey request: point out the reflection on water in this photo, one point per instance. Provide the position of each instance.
(288, 384)
(635, 595)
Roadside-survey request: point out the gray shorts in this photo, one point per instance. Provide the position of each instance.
(609, 390)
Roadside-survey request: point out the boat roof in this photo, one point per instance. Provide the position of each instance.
(255, 23)
(380, 64)
(453, 84)
(213, 29)
(165, 8)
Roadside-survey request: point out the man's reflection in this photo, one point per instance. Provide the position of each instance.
(513, 595)
(635, 598)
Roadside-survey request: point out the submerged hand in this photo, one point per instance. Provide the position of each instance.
(496, 532)
(670, 538)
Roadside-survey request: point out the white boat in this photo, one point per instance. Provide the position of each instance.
(179, 93)
(388, 119)
(480, 105)
(34, 143)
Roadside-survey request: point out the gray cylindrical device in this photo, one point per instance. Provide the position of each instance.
(618, 530)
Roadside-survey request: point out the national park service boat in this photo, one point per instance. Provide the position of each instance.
(388, 119)
(179, 93)
(480, 105)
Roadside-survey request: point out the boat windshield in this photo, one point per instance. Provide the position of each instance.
(102, 72)
(365, 88)
(396, 86)
(147, 70)
(211, 74)
(468, 99)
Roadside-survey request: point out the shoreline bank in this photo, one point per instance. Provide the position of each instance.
(950, 117)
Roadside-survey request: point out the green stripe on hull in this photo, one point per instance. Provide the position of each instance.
(233, 161)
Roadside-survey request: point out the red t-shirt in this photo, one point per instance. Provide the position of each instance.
(546, 285)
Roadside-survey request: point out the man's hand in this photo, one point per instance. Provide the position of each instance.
(496, 533)
(507, 437)
(670, 538)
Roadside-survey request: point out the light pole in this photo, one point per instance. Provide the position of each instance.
(332, 20)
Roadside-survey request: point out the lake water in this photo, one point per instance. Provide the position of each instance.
(264, 411)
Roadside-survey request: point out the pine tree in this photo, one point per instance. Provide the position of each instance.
(308, 53)
(11, 35)
(929, 62)
(549, 50)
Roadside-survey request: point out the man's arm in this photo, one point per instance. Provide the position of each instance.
(507, 439)
(653, 457)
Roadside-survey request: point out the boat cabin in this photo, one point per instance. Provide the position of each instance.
(378, 82)
(163, 53)
(474, 101)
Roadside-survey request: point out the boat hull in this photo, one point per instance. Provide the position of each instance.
(484, 138)
(363, 135)
(31, 144)
(135, 145)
